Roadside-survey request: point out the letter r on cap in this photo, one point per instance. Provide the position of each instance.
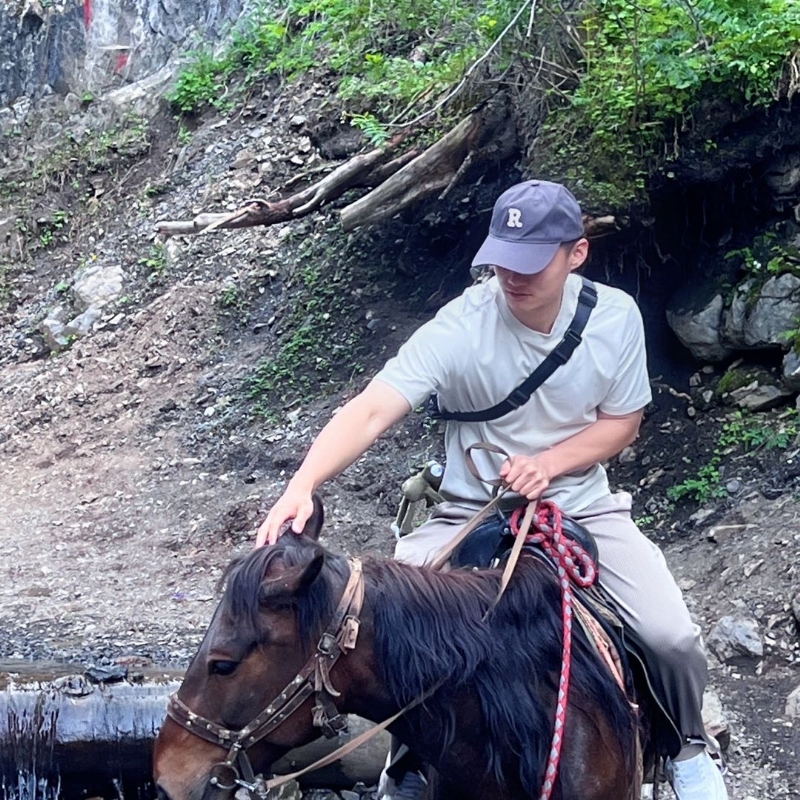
(514, 218)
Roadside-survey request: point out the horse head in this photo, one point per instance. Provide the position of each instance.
(276, 602)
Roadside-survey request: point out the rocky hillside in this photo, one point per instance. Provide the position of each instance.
(156, 394)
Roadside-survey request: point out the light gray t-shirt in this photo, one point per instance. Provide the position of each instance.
(474, 353)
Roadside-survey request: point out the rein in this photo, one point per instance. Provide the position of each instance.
(572, 563)
(339, 638)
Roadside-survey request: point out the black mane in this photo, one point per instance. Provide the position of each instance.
(244, 576)
(429, 627)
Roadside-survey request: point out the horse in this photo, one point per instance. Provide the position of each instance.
(484, 677)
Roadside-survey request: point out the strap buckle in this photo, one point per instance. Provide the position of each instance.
(563, 352)
(518, 398)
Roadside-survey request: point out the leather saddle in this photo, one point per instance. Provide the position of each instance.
(488, 546)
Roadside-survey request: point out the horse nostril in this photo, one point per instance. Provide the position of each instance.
(161, 793)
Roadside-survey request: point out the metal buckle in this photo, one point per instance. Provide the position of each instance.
(326, 644)
(350, 633)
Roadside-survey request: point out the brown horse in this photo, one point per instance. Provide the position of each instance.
(486, 725)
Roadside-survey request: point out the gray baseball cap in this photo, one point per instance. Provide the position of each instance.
(529, 222)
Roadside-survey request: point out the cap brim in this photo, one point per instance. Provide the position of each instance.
(527, 258)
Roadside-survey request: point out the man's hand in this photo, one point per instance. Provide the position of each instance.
(526, 475)
(294, 504)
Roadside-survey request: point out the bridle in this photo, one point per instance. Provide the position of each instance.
(314, 678)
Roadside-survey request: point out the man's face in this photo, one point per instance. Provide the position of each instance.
(531, 293)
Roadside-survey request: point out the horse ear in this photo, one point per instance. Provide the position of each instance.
(291, 582)
(314, 524)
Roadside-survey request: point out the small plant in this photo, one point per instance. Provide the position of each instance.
(704, 486)
(155, 262)
(752, 433)
(184, 136)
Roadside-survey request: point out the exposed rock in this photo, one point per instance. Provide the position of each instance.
(72, 48)
(791, 370)
(715, 719)
(734, 637)
(759, 397)
(97, 286)
(699, 331)
(52, 328)
(763, 322)
(82, 324)
(793, 704)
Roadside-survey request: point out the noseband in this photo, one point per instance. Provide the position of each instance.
(314, 678)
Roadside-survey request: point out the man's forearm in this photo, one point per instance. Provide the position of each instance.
(349, 434)
(597, 443)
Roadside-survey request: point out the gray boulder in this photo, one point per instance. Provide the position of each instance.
(736, 637)
(699, 330)
(97, 286)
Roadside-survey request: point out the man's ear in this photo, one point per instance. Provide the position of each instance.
(579, 253)
(291, 582)
(314, 524)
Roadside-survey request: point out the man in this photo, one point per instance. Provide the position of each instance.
(473, 354)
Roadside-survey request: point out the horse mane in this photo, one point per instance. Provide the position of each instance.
(430, 628)
(244, 577)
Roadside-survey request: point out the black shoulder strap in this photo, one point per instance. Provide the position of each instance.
(560, 354)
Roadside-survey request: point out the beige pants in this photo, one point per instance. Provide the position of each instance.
(634, 572)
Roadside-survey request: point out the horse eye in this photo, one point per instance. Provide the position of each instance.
(222, 667)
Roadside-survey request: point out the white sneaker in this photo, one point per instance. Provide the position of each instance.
(411, 787)
(696, 778)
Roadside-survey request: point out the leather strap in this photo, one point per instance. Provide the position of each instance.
(558, 356)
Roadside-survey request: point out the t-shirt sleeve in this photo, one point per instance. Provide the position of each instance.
(630, 388)
(423, 363)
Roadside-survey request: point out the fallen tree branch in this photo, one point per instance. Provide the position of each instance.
(365, 169)
(486, 134)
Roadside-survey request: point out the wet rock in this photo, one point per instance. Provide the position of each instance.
(735, 637)
(627, 456)
(106, 674)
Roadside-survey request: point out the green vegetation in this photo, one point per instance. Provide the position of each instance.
(646, 68)
(155, 262)
(619, 83)
(733, 379)
(705, 485)
(767, 257)
(96, 152)
(741, 431)
(754, 433)
(387, 54)
(322, 336)
(50, 228)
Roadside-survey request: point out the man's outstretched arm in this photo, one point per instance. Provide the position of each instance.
(348, 435)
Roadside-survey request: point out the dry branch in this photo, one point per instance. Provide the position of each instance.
(358, 171)
(484, 135)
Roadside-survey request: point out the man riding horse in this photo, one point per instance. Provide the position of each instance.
(473, 355)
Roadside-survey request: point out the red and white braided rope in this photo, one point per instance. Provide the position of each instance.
(573, 564)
